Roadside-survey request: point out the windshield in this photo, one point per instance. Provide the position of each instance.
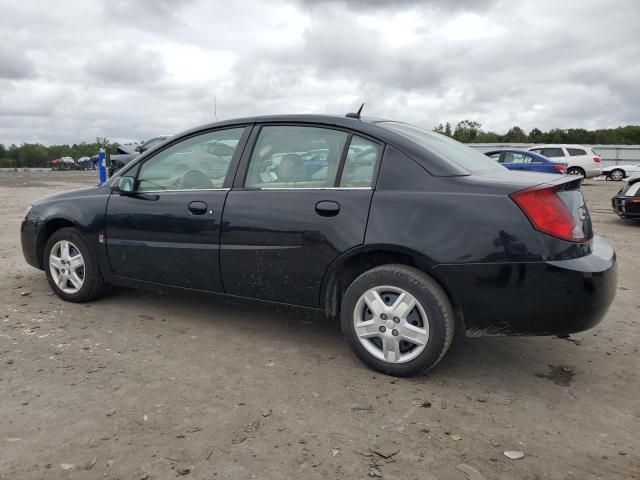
(447, 148)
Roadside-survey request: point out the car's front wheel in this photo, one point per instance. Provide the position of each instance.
(397, 320)
(71, 267)
(617, 174)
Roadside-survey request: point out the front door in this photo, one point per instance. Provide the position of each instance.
(304, 200)
(168, 230)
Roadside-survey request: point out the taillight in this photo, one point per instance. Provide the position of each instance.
(548, 214)
(560, 168)
(596, 159)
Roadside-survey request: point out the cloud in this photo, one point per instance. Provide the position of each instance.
(129, 70)
(126, 64)
(14, 64)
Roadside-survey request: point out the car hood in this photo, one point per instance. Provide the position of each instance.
(77, 193)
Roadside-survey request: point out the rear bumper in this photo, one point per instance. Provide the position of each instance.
(539, 298)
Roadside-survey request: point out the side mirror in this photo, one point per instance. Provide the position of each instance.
(124, 185)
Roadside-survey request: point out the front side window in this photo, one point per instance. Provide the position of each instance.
(360, 163)
(295, 157)
(196, 163)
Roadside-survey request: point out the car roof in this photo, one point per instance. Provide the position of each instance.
(560, 145)
(519, 150)
(368, 126)
(515, 150)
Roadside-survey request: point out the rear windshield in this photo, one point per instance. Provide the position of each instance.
(447, 148)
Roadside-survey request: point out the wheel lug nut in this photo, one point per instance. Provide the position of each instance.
(396, 319)
(383, 316)
(395, 332)
(383, 329)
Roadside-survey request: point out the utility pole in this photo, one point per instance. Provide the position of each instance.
(215, 108)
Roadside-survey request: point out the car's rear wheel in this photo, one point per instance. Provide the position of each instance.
(575, 171)
(71, 267)
(397, 320)
(617, 174)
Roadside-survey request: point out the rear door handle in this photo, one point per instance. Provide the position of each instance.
(327, 208)
(198, 208)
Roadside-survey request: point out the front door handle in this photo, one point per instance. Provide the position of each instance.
(327, 208)
(198, 208)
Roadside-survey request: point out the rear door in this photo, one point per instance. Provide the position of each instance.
(168, 230)
(301, 198)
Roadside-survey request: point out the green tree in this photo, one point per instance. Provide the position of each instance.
(466, 131)
(515, 135)
(536, 136)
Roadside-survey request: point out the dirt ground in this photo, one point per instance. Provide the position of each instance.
(145, 386)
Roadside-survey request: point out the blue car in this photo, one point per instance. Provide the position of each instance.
(525, 161)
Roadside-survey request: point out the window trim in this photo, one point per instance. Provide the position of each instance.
(137, 163)
(243, 167)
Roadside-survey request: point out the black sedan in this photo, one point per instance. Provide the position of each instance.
(626, 203)
(405, 235)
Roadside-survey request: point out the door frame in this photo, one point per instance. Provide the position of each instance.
(243, 164)
(134, 169)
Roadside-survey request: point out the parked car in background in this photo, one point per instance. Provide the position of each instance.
(619, 172)
(405, 235)
(580, 160)
(626, 203)
(119, 160)
(64, 163)
(525, 161)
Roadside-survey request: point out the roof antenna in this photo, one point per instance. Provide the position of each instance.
(356, 114)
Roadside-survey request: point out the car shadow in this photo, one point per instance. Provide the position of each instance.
(488, 361)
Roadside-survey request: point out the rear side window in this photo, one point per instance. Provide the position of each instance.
(576, 151)
(516, 157)
(446, 148)
(360, 163)
(295, 157)
(552, 152)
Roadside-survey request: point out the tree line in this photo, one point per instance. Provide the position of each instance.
(469, 131)
(38, 155)
(466, 131)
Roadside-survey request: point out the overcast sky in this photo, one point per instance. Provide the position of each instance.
(132, 69)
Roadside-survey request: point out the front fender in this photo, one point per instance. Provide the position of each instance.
(81, 209)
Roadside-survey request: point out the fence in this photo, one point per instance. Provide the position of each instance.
(610, 154)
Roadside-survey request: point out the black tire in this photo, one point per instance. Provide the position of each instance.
(616, 170)
(576, 171)
(94, 285)
(427, 292)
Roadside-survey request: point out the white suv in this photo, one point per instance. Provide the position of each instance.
(580, 160)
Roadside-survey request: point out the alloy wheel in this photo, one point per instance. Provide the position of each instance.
(391, 324)
(617, 175)
(67, 266)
